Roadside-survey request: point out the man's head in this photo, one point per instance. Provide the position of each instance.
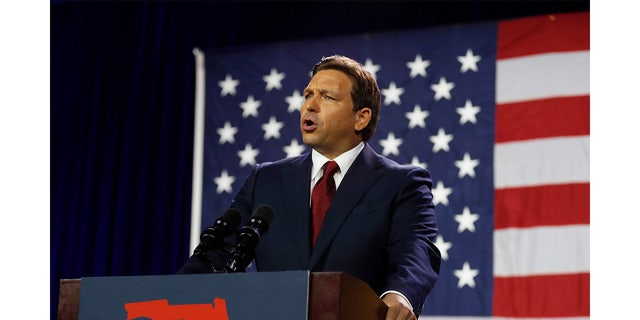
(364, 93)
(341, 107)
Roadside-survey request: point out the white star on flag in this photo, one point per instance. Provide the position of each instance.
(250, 107)
(468, 62)
(248, 155)
(442, 89)
(418, 66)
(466, 275)
(416, 162)
(466, 220)
(294, 148)
(228, 86)
(272, 128)
(390, 144)
(373, 68)
(416, 117)
(443, 246)
(224, 182)
(468, 112)
(227, 133)
(441, 194)
(273, 80)
(467, 166)
(441, 140)
(392, 94)
(295, 101)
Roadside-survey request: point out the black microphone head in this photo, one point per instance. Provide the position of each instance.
(231, 217)
(223, 226)
(262, 217)
(264, 212)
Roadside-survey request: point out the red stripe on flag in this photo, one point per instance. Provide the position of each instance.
(548, 205)
(568, 116)
(536, 35)
(542, 296)
(550, 295)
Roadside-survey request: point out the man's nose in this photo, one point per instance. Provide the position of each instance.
(311, 104)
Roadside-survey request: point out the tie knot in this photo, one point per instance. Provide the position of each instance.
(330, 168)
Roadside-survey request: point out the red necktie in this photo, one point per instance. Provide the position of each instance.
(322, 195)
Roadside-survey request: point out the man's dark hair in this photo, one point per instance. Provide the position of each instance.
(365, 92)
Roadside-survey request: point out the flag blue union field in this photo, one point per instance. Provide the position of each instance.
(497, 111)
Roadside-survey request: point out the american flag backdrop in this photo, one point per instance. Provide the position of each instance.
(497, 111)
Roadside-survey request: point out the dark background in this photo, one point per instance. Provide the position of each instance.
(122, 108)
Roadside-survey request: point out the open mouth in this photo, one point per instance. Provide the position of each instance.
(309, 125)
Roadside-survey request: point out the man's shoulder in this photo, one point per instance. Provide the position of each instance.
(384, 161)
(393, 168)
(284, 162)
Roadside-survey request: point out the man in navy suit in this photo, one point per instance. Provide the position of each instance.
(381, 223)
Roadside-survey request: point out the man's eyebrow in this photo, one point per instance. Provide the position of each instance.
(322, 91)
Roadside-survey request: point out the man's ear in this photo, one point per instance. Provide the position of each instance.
(363, 116)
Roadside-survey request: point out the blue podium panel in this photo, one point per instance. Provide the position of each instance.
(227, 296)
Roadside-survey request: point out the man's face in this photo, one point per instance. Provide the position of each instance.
(327, 120)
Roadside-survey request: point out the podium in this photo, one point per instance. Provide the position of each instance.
(275, 295)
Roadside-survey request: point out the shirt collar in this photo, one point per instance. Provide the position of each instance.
(344, 160)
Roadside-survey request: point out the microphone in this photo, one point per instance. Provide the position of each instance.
(213, 236)
(248, 239)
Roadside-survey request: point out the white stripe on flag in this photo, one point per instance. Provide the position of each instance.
(541, 161)
(541, 250)
(542, 76)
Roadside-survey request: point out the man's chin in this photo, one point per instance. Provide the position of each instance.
(308, 139)
(309, 144)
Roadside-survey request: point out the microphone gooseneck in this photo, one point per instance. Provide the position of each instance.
(249, 237)
(213, 236)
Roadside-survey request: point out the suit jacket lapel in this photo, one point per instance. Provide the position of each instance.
(354, 185)
(296, 181)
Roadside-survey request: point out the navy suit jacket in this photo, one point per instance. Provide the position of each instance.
(380, 226)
